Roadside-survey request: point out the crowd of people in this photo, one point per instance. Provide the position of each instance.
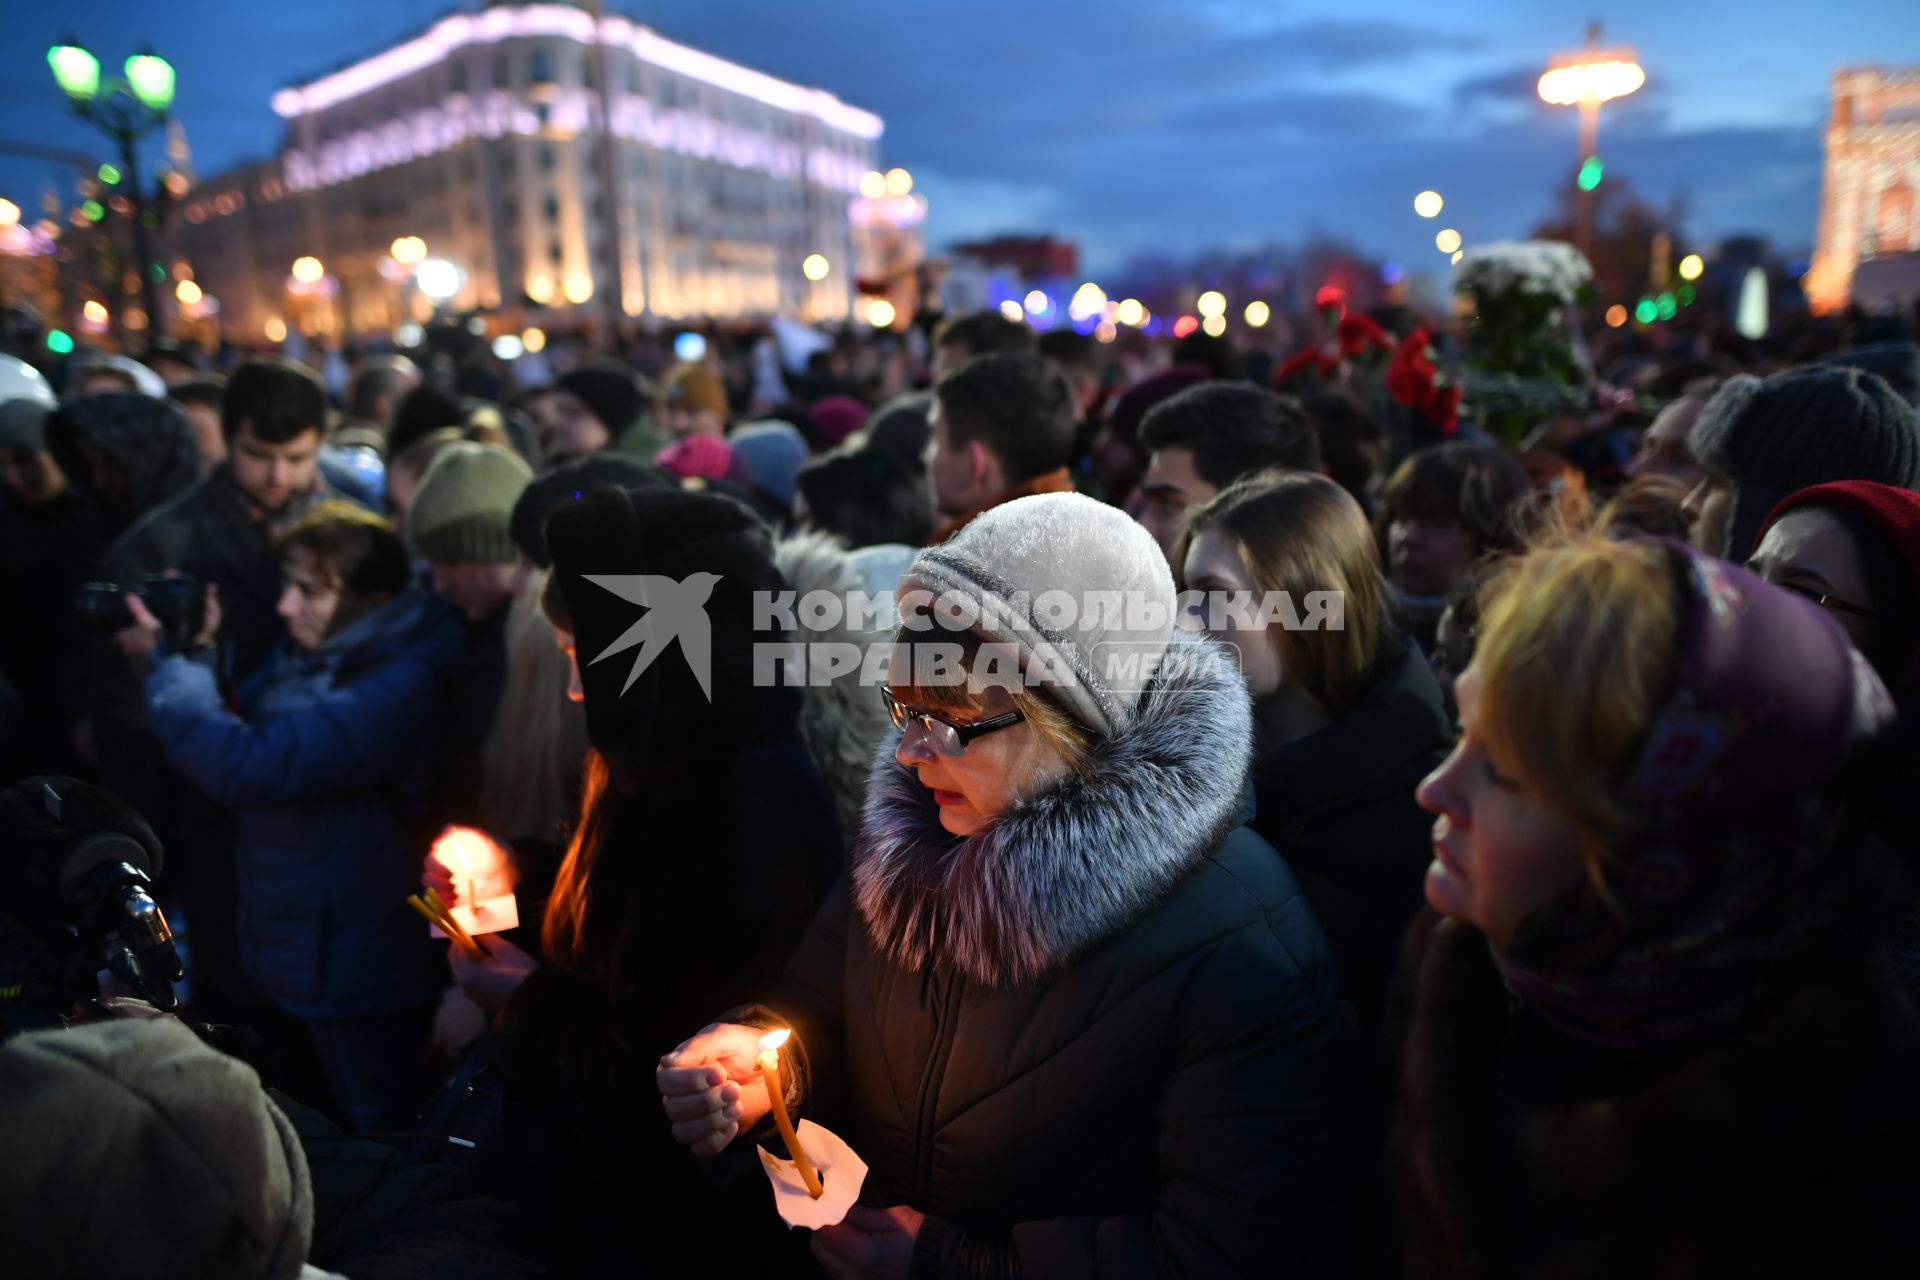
(1542, 900)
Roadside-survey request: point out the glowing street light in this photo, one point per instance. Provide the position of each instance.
(1211, 303)
(899, 182)
(188, 292)
(1691, 267)
(1258, 313)
(815, 267)
(9, 213)
(1037, 302)
(1447, 241)
(1616, 316)
(76, 71)
(308, 270)
(1585, 78)
(409, 251)
(1013, 311)
(1428, 204)
(94, 312)
(1132, 312)
(880, 313)
(1214, 326)
(126, 109)
(438, 279)
(534, 340)
(873, 184)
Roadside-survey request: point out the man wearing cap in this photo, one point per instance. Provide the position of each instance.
(460, 524)
(1759, 441)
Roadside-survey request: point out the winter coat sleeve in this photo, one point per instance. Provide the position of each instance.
(349, 738)
(811, 998)
(1259, 1139)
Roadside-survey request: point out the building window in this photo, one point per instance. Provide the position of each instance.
(555, 252)
(553, 208)
(457, 77)
(546, 158)
(540, 68)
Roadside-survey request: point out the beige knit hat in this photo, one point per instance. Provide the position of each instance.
(128, 1147)
(1078, 590)
(463, 511)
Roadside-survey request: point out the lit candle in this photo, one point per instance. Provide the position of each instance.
(770, 1070)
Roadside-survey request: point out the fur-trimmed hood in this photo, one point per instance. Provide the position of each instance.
(1071, 867)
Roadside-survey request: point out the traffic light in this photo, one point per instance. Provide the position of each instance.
(1590, 171)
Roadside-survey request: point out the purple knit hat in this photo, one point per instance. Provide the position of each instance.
(1734, 874)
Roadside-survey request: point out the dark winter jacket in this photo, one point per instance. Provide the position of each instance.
(1100, 1037)
(473, 704)
(328, 767)
(585, 1136)
(1338, 805)
(1789, 1148)
(46, 552)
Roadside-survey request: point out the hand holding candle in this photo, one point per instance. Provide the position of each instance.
(475, 876)
(770, 1068)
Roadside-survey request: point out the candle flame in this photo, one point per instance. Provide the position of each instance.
(466, 852)
(774, 1039)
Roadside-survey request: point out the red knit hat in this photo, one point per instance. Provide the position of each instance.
(703, 456)
(1893, 510)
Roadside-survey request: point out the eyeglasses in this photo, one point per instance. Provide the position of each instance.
(946, 738)
(1832, 603)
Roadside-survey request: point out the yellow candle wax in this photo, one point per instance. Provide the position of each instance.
(770, 1071)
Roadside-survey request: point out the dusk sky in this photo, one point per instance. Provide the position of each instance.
(1139, 125)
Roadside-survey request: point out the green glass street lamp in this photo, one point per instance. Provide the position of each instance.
(126, 110)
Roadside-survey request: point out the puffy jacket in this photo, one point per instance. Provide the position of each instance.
(1100, 1037)
(327, 767)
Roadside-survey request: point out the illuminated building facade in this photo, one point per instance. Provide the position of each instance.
(1870, 196)
(559, 160)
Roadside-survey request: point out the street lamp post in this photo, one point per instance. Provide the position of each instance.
(1586, 78)
(126, 110)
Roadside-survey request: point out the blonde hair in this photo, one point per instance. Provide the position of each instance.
(539, 737)
(1049, 719)
(1576, 644)
(1299, 532)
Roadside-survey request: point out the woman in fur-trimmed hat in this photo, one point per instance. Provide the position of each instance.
(1076, 1018)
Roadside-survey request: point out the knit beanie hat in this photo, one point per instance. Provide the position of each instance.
(694, 385)
(1894, 512)
(611, 391)
(1897, 362)
(773, 453)
(702, 457)
(23, 426)
(463, 511)
(571, 483)
(834, 419)
(421, 412)
(1042, 576)
(132, 1148)
(1803, 427)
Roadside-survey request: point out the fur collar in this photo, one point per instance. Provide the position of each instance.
(1071, 867)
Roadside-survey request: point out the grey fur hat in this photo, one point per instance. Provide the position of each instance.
(1042, 575)
(1803, 427)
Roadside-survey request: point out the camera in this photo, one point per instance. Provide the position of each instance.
(78, 869)
(177, 600)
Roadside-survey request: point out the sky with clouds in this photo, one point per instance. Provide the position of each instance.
(1144, 126)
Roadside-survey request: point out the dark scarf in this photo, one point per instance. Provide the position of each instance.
(1734, 875)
